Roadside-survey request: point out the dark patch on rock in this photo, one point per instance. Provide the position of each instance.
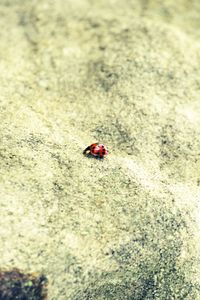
(15, 285)
(104, 75)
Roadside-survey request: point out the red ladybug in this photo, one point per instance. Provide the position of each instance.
(96, 149)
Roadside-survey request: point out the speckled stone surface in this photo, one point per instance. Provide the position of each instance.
(125, 73)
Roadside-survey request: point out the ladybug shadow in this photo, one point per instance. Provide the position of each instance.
(89, 155)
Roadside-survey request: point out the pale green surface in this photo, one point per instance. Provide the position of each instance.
(126, 73)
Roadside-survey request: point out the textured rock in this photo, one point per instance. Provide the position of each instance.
(125, 73)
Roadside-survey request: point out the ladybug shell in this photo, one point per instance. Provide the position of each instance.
(98, 150)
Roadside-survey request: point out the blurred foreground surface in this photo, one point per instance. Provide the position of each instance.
(125, 73)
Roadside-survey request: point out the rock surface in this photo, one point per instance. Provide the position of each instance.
(125, 73)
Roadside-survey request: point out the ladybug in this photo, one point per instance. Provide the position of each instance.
(97, 150)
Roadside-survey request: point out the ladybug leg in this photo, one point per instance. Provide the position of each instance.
(99, 157)
(86, 149)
